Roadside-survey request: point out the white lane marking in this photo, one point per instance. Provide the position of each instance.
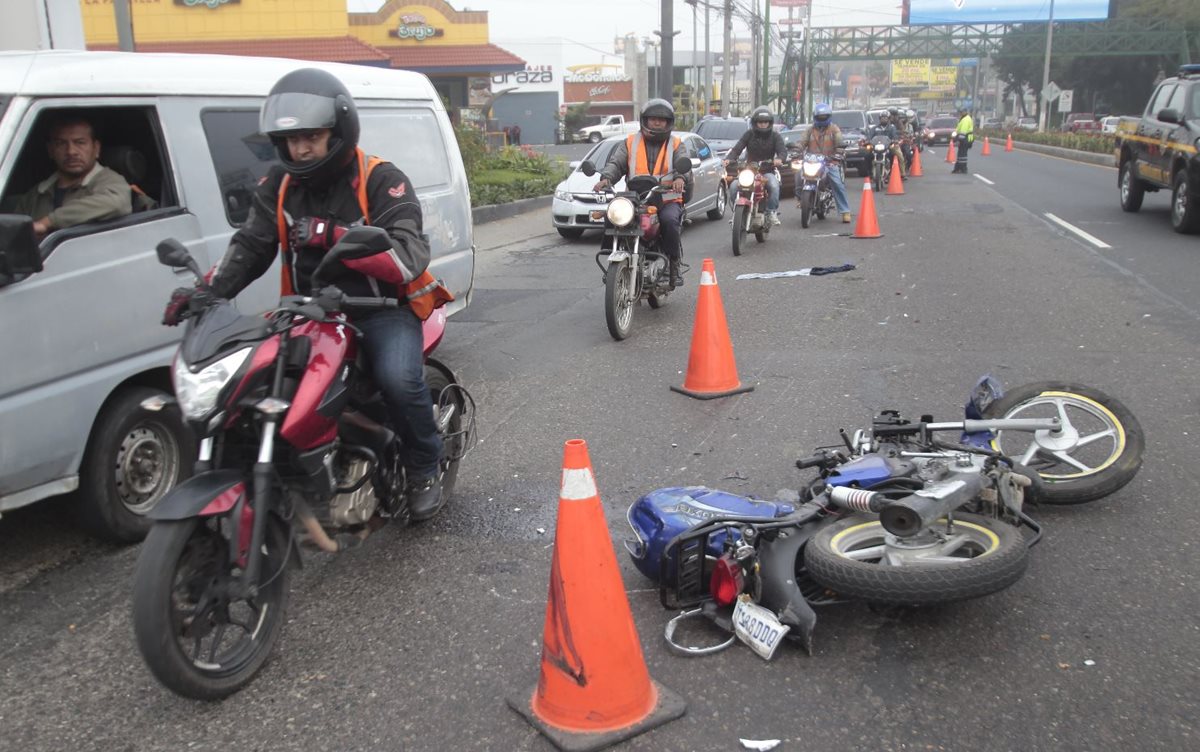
(989, 182)
(1086, 236)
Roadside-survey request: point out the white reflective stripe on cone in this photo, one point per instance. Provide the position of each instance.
(866, 184)
(708, 278)
(578, 484)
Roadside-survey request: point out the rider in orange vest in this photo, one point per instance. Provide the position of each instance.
(653, 151)
(325, 186)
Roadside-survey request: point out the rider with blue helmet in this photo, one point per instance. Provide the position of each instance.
(826, 138)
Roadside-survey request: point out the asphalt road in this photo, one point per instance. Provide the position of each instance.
(413, 641)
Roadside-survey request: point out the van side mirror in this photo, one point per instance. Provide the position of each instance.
(587, 168)
(682, 164)
(173, 253)
(19, 253)
(1170, 115)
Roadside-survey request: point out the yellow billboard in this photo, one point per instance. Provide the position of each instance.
(910, 72)
(943, 78)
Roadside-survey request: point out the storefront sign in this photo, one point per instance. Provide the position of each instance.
(910, 72)
(599, 91)
(587, 91)
(943, 78)
(597, 78)
(205, 3)
(479, 91)
(413, 26)
(533, 74)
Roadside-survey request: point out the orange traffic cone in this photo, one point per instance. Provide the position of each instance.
(1008, 143)
(895, 183)
(950, 157)
(987, 148)
(594, 689)
(915, 171)
(868, 225)
(711, 371)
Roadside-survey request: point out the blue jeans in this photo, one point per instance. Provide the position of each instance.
(772, 191)
(394, 343)
(839, 188)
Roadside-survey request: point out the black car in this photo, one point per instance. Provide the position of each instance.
(722, 133)
(854, 126)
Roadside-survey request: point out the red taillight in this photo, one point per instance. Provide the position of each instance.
(727, 581)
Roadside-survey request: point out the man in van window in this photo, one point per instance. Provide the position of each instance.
(81, 189)
(325, 186)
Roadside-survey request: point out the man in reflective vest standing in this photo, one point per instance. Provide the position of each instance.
(964, 136)
(653, 151)
(325, 186)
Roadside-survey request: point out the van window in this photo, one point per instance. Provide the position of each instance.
(1159, 100)
(241, 156)
(130, 144)
(409, 138)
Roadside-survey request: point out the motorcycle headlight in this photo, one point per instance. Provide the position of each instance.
(746, 178)
(879, 147)
(197, 392)
(795, 164)
(620, 212)
(812, 169)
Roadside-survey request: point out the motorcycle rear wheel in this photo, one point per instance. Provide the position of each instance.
(739, 228)
(183, 617)
(619, 299)
(1099, 450)
(453, 439)
(980, 555)
(806, 207)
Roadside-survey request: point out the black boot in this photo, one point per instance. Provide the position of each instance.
(676, 274)
(424, 497)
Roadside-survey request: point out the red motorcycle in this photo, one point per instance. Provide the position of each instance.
(295, 447)
(749, 213)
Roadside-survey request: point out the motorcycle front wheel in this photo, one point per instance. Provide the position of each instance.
(975, 556)
(196, 637)
(1098, 450)
(806, 207)
(739, 228)
(877, 176)
(619, 286)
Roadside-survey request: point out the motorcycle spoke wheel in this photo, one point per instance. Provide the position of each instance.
(1097, 451)
(198, 638)
(619, 299)
(740, 215)
(970, 557)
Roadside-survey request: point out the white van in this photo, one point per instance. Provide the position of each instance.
(80, 333)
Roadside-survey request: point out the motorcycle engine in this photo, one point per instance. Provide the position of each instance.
(353, 507)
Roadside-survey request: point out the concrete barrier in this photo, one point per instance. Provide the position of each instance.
(492, 212)
(1106, 160)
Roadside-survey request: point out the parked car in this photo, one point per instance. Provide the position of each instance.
(938, 130)
(1027, 124)
(991, 123)
(83, 308)
(722, 133)
(1081, 122)
(611, 125)
(576, 207)
(1109, 124)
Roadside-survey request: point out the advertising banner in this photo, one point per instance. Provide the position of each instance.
(1002, 11)
(789, 3)
(910, 72)
(943, 78)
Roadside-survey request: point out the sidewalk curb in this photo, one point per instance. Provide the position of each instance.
(1104, 160)
(492, 212)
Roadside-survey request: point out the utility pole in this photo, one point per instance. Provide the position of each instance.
(707, 65)
(124, 25)
(727, 70)
(806, 96)
(1045, 107)
(666, 83)
(766, 65)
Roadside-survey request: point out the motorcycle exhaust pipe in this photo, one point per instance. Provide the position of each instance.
(912, 514)
(856, 499)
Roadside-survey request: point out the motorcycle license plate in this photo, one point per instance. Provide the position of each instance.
(597, 215)
(757, 627)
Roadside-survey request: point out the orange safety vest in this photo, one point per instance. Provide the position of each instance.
(639, 164)
(424, 294)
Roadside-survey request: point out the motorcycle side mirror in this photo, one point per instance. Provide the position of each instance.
(174, 254)
(682, 165)
(587, 168)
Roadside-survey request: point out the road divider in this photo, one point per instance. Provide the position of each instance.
(1072, 228)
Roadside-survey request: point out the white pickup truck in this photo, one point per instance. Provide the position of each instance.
(611, 125)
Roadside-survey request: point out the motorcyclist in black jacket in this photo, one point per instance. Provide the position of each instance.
(763, 143)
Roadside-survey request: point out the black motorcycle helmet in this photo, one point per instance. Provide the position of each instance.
(304, 100)
(758, 117)
(658, 108)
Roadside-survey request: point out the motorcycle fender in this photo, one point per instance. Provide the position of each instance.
(617, 257)
(743, 201)
(203, 495)
(809, 187)
(780, 592)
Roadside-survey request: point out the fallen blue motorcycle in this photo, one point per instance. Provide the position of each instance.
(905, 513)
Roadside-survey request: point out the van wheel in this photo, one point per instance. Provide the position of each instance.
(133, 458)
(594, 138)
(1185, 205)
(1132, 190)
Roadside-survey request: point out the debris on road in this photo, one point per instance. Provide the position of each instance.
(814, 271)
(763, 744)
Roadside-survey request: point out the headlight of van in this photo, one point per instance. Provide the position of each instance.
(197, 392)
(620, 212)
(746, 178)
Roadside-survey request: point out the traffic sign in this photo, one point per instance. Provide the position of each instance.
(1051, 92)
(1065, 100)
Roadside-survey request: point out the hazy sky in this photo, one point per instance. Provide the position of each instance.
(590, 26)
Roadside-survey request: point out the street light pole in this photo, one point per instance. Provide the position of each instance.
(666, 84)
(726, 70)
(766, 69)
(1046, 71)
